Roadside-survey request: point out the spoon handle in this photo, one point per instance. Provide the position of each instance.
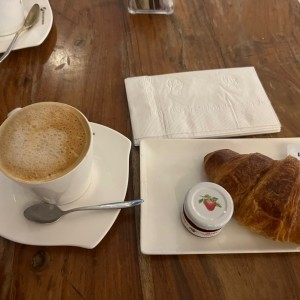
(114, 205)
(9, 48)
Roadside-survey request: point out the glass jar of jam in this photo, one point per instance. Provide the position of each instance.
(207, 208)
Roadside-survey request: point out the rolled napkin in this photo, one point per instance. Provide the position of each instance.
(200, 104)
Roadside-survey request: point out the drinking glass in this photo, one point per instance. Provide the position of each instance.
(151, 6)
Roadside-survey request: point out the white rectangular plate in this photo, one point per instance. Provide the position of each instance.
(169, 168)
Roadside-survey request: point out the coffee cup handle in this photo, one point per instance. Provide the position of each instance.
(13, 111)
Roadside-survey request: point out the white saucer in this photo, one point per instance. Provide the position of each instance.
(36, 35)
(82, 229)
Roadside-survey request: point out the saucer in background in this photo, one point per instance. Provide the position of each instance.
(37, 34)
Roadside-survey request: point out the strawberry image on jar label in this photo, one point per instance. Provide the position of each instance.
(210, 202)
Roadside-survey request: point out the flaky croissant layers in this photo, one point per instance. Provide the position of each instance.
(266, 192)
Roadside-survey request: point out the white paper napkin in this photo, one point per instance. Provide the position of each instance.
(200, 104)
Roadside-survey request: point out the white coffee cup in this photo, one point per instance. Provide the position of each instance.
(47, 148)
(11, 16)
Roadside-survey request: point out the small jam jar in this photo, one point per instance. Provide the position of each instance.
(207, 208)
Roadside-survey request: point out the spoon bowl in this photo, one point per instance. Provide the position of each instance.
(49, 213)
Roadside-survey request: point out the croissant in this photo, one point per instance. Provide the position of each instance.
(265, 192)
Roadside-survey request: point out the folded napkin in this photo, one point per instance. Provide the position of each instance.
(200, 104)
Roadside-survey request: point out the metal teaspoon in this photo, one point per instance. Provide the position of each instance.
(48, 213)
(30, 20)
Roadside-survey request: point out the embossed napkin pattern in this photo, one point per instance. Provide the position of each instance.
(200, 104)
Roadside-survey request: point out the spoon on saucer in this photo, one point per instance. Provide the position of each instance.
(49, 213)
(30, 20)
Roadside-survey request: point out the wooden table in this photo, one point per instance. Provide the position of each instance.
(92, 47)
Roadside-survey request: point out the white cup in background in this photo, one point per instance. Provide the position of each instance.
(11, 16)
(47, 148)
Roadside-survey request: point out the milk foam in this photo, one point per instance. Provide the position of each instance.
(42, 142)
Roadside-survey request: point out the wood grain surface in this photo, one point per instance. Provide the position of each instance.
(92, 47)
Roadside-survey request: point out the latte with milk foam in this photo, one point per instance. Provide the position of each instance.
(43, 141)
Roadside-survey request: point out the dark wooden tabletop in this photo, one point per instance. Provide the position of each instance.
(92, 47)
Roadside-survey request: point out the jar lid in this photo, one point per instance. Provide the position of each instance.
(208, 205)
